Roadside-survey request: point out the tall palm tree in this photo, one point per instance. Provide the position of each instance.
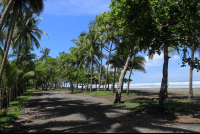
(91, 47)
(7, 6)
(26, 33)
(102, 40)
(194, 47)
(45, 55)
(112, 39)
(18, 8)
(113, 64)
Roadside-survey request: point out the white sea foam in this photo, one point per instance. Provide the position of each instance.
(196, 84)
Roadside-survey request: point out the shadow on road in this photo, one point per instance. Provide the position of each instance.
(50, 114)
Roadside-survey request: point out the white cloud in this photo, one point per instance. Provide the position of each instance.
(76, 7)
(156, 61)
(175, 57)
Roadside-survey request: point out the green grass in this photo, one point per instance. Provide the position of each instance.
(105, 93)
(15, 109)
(129, 95)
(100, 93)
(75, 91)
(31, 87)
(42, 90)
(60, 89)
(151, 106)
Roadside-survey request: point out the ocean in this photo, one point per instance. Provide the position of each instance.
(196, 84)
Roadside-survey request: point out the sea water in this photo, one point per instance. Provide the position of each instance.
(196, 84)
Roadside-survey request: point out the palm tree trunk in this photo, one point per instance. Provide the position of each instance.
(6, 12)
(127, 92)
(191, 74)
(46, 84)
(100, 68)
(88, 79)
(82, 87)
(15, 90)
(8, 97)
(130, 74)
(114, 80)
(20, 48)
(0, 98)
(91, 75)
(9, 38)
(163, 91)
(119, 88)
(108, 66)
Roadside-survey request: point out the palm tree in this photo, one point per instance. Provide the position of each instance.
(45, 55)
(89, 47)
(111, 39)
(18, 8)
(6, 9)
(93, 38)
(136, 64)
(128, 54)
(17, 74)
(26, 34)
(102, 40)
(194, 47)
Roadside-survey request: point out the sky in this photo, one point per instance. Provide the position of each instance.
(64, 20)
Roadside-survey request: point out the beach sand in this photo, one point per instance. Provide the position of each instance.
(173, 93)
(153, 93)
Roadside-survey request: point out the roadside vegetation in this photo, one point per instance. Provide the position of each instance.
(14, 110)
(184, 107)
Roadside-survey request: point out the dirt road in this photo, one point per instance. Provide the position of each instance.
(58, 111)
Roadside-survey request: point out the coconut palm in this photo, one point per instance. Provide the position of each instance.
(137, 64)
(89, 48)
(18, 8)
(194, 47)
(27, 34)
(112, 39)
(17, 75)
(102, 40)
(7, 6)
(45, 53)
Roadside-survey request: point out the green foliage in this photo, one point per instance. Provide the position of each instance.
(45, 53)
(15, 109)
(129, 95)
(155, 22)
(40, 90)
(151, 106)
(100, 93)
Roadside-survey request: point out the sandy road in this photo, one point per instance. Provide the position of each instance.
(57, 111)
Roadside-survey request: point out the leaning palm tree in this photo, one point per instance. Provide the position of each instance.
(18, 7)
(45, 55)
(137, 64)
(7, 6)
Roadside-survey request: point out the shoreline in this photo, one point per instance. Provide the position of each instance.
(172, 92)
